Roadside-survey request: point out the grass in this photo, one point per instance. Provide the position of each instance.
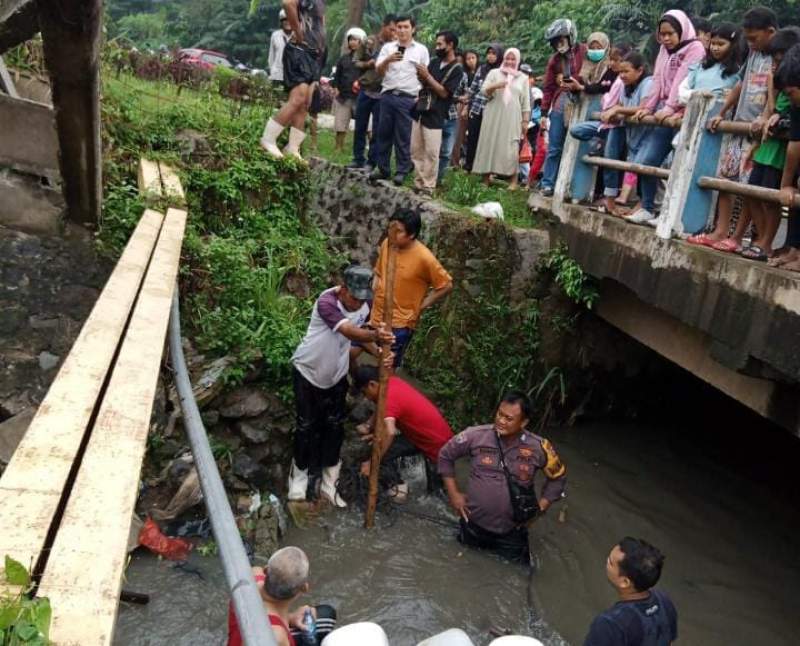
(459, 190)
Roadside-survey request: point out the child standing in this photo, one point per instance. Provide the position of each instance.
(679, 50)
(770, 157)
(750, 97)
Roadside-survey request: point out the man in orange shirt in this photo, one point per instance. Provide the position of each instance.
(420, 281)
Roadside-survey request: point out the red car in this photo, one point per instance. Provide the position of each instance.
(203, 58)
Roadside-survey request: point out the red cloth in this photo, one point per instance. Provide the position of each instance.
(538, 158)
(235, 637)
(554, 67)
(151, 537)
(417, 418)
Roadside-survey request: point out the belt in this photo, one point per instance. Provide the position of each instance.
(404, 95)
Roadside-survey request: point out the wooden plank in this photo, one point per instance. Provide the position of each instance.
(149, 180)
(171, 184)
(10, 7)
(84, 575)
(6, 80)
(32, 484)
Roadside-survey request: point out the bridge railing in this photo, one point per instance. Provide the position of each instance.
(692, 179)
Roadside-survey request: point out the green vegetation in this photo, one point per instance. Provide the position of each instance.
(23, 620)
(579, 286)
(245, 242)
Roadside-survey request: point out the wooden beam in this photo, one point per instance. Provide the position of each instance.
(71, 30)
(6, 81)
(29, 143)
(171, 185)
(9, 7)
(21, 26)
(149, 181)
(31, 486)
(84, 577)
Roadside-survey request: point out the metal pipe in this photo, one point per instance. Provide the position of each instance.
(630, 167)
(746, 190)
(250, 613)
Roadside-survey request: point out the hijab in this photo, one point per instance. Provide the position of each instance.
(511, 73)
(592, 73)
(500, 51)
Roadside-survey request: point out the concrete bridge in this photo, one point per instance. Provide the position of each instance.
(732, 322)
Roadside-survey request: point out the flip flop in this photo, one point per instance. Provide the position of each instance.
(701, 240)
(729, 245)
(754, 252)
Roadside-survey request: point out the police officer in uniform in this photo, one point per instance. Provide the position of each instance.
(501, 499)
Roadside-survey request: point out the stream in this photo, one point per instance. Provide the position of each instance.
(719, 498)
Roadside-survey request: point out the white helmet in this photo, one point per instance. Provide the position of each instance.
(361, 634)
(516, 640)
(452, 637)
(356, 32)
(536, 94)
(282, 14)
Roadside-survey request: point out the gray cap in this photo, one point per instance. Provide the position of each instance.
(526, 69)
(358, 281)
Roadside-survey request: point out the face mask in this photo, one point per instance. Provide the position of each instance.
(563, 48)
(596, 55)
(440, 53)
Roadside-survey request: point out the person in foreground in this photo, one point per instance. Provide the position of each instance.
(283, 581)
(643, 616)
(501, 499)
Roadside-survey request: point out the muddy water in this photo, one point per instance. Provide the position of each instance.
(721, 503)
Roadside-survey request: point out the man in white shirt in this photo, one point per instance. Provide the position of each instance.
(277, 43)
(397, 63)
(320, 366)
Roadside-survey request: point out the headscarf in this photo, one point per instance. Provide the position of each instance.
(511, 73)
(356, 32)
(593, 72)
(498, 49)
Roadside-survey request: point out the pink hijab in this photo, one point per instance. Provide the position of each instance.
(672, 67)
(511, 73)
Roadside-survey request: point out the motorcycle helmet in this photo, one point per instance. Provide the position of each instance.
(561, 28)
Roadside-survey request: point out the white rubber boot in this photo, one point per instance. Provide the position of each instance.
(330, 476)
(296, 138)
(298, 483)
(269, 140)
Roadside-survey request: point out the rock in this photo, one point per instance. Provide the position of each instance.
(210, 383)
(12, 431)
(188, 495)
(266, 535)
(296, 283)
(362, 410)
(253, 430)
(210, 418)
(247, 402)
(193, 144)
(250, 471)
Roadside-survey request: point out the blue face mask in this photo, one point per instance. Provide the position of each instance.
(596, 55)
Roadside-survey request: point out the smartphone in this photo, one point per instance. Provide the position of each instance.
(401, 49)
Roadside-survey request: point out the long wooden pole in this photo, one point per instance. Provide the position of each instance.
(384, 373)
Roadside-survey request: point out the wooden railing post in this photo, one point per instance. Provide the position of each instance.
(576, 179)
(687, 206)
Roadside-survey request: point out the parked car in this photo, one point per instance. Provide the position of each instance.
(203, 58)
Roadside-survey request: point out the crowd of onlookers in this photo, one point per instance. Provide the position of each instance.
(487, 112)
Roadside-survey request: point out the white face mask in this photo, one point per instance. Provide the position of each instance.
(563, 48)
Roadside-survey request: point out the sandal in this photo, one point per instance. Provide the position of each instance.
(780, 259)
(729, 245)
(701, 239)
(754, 252)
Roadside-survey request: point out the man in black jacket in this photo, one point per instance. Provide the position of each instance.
(344, 78)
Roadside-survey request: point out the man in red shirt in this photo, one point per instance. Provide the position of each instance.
(413, 424)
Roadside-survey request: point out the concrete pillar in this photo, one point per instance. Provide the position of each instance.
(686, 206)
(71, 30)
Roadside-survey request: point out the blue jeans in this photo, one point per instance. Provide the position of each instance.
(558, 133)
(449, 130)
(615, 149)
(585, 130)
(365, 106)
(402, 337)
(394, 128)
(653, 152)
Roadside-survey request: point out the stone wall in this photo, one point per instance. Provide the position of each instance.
(355, 213)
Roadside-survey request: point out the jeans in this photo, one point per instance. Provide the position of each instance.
(402, 337)
(394, 129)
(365, 106)
(558, 133)
(449, 131)
(653, 152)
(319, 422)
(585, 130)
(390, 472)
(615, 149)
